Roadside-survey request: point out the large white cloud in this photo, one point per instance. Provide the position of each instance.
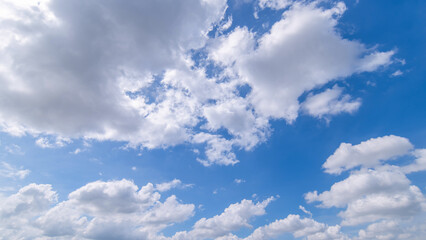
(70, 77)
(377, 191)
(118, 71)
(113, 210)
(302, 51)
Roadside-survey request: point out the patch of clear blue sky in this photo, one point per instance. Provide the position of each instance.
(289, 162)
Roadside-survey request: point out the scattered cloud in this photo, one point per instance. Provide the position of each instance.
(46, 142)
(76, 151)
(175, 183)
(9, 171)
(14, 149)
(238, 181)
(397, 73)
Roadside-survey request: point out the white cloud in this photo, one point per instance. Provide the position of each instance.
(419, 164)
(45, 142)
(14, 149)
(135, 80)
(274, 4)
(299, 227)
(381, 230)
(76, 151)
(225, 24)
(18, 210)
(102, 198)
(330, 102)
(397, 73)
(9, 171)
(120, 210)
(238, 181)
(366, 154)
(375, 60)
(394, 229)
(359, 184)
(302, 51)
(175, 183)
(226, 49)
(381, 193)
(78, 86)
(304, 210)
(113, 210)
(98, 210)
(218, 151)
(370, 208)
(233, 218)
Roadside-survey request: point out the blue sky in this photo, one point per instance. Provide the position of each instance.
(212, 119)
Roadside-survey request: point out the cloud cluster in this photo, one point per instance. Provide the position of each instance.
(9, 171)
(98, 210)
(132, 72)
(374, 189)
(120, 210)
(233, 218)
(374, 193)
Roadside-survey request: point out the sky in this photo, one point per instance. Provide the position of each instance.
(212, 119)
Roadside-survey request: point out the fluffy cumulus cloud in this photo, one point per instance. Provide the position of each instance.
(233, 218)
(120, 210)
(393, 229)
(380, 196)
(369, 153)
(306, 228)
(98, 210)
(377, 190)
(18, 210)
(236, 216)
(299, 227)
(127, 72)
(301, 51)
